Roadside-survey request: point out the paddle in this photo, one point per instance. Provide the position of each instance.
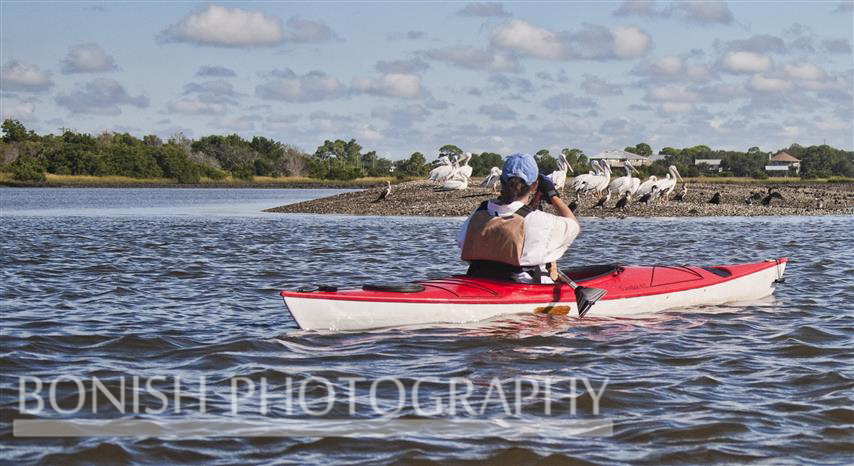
(585, 297)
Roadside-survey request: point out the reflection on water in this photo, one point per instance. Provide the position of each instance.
(122, 282)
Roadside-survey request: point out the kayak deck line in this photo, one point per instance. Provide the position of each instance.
(690, 281)
(460, 299)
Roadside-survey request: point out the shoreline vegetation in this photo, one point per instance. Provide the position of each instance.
(302, 182)
(267, 182)
(423, 198)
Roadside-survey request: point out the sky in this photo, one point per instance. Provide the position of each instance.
(401, 77)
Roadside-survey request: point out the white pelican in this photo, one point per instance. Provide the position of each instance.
(558, 177)
(581, 183)
(465, 168)
(646, 186)
(493, 180)
(600, 183)
(456, 182)
(384, 194)
(442, 170)
(666, 186)
(625, 184)
(451, 172)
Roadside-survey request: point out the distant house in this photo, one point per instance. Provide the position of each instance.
(617, 158)
(780, 163)
(714, 164)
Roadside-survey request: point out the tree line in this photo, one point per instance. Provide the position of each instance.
(28, 156)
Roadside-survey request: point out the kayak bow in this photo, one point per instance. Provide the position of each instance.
(459, 298)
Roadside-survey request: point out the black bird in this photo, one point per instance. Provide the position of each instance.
(646, 198)
(756, 195)
(680, 196)
(716, 199)
(384, 194)
(766, 201)
(573, 206)
(602, 201)
(623, 202)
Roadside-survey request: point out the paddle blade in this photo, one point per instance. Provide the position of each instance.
(586, 297)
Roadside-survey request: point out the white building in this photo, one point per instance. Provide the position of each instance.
(617, 158)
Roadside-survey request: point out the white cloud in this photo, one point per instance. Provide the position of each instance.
(765, 84)
(195, 106)
(311, 87)
(101, 96)
(369, 133)
(401, 115)
(476, 59)
(18, 111)
(498, 112)
(637, 8)
(566, 100)
(676, 107)
(304, 31)
(226, 27)
(88, 58)
(596, 42)
(746, 62)
(483, 9)
(399, 85)
(804, 72)
(216, 72)
(702, 12)
(599, 87)
(672, 94)
(411, 66)
(525, 38)
(24, 77)
(629, 42)
(668, 64)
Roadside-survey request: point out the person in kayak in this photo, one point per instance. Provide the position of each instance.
(508, 238)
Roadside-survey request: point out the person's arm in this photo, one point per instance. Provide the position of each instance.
(549, 193)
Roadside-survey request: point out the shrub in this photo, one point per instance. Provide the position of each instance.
(28, 169)
(759, 175)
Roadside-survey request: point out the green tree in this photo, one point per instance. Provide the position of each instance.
(545, 161)
(641, 148)
(14, 131)
(27, 168)
(481, 164)
(450, 151)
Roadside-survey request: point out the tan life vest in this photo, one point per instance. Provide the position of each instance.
(493, 238)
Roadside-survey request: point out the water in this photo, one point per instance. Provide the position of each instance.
(123, 282)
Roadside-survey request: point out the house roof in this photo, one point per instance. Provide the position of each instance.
(617, 154)
(783, 157)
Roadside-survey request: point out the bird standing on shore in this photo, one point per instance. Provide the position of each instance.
(465, 169)
(493, 180)
(667, 185)
(650, 196)
(558, 177)
(384, 194)
(603, 200)
(442, 171)
(623, 202)
(766, 201)
(680, 196)
(716, 199)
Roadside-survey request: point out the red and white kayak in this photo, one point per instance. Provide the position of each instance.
(460, 298)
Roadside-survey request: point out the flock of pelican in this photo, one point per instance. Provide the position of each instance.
(600, 182)
(455, 174)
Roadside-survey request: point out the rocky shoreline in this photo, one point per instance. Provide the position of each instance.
(423, 198)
